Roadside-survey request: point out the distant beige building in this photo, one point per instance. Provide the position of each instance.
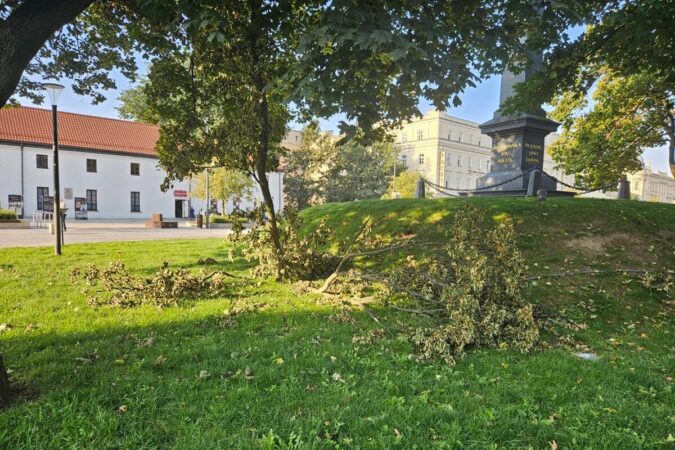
(292, 140)
(653, 186)
(450, 151)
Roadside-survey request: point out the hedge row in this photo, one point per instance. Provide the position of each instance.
(7, 215)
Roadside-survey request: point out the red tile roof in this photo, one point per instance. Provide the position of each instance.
(34, 126)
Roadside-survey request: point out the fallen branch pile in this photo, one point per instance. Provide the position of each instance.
(115, 286)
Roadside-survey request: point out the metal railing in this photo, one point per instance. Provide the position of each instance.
(42, 219)
(455, 192)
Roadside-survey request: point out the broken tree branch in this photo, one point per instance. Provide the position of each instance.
(331, 279)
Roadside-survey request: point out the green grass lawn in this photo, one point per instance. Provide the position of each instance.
(177, 377)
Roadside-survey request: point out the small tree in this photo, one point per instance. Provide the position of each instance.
(359, 172)
(305, 166)
(224, 184)
(134, 105)
(405, 184)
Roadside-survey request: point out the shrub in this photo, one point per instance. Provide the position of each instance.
(472, 291)
(301, 258)
(6, 214)
(238, 219)
(225, 218)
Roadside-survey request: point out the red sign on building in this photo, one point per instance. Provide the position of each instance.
(179, 193)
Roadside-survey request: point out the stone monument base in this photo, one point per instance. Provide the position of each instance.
(504, 181)
(517, 183)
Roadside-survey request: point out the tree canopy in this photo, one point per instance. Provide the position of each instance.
(405, 184)
(375, 61)
(306, 166)
(224, 184)
(630, 37)
(134, 105)
(372, 61)
(81, 40)
(358, 172)
(603, 142)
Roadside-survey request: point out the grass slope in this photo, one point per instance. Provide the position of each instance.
(148, 378)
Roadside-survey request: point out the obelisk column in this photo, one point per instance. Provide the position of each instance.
(517, 140)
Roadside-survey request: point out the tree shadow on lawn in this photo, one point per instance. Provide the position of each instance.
(80, 255)
(300, 374)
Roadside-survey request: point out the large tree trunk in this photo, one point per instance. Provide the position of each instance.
(25, 31)
(5, 391)
(257, 24)
(22, 35)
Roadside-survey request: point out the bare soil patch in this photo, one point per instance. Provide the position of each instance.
(597, 244)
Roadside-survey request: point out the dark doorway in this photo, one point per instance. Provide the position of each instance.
(179, 209)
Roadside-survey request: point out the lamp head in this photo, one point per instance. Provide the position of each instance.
(53, 92)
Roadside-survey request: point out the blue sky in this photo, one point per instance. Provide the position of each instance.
(478, 105)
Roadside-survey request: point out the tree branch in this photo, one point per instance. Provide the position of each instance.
(26, 31)
(331, 279)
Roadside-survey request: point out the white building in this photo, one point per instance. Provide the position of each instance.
(111, 164)
(450, 151)
(653, 186)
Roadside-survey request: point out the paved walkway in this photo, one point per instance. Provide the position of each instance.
(104, 231)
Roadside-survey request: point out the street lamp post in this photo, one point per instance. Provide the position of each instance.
(53, 92)
(208, 200)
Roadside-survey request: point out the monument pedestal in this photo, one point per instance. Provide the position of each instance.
(517, 141)
(517, 149)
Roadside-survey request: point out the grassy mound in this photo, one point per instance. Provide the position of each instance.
(590, 231)
(293, 372)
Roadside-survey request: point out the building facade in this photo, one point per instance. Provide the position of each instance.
(110, 165)
(450, 151)
(652, 186)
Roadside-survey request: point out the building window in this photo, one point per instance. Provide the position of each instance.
(448, 158)
(404, 160)
(404, 137)
(469, 162)
(41, 162)
(135, 202)
(135, 169)
(479, 142)
(420, 158)
(92, 200)
(91, 165)
(296, 138)
(459, 138)
(446, 184)
(420, 135)
(42, 192)
(450, 135)
(459, 161)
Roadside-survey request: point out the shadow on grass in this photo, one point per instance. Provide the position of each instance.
(202, 381)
